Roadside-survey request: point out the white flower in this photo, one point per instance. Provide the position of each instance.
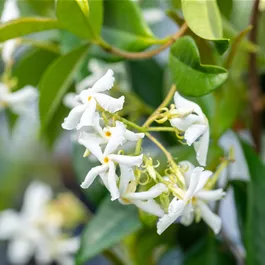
(191, 120)
(83, 114)
(22, 229)
(143, 200)
(54, 247)
(107, 171)
(153, 15)
(10, 12)
(19, 101)
(193, 202)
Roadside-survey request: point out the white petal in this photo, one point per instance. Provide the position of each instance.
(194, 181)
(104, 83)
(181, 102)
(20, 101)
(114, 191)
(211, 195)
(187, 215)
(20, 251)
(149, 206)
(117, 138)
(109, 103)
(194, 132)
(104, 178)
(145, 195)
(8, 50)
(187, 167)
(127, 175)
(92, 174)
(203, 178)
(9, 224)
(176, 208)
(10, 11)
(69, 245)
(73, 118)
(88, 117)
(213, 220)
(201, 147)
(70, 100)
(153, 15)
(184, 123)
(131, 136)
(36, 198)
(92, 143)
(88, 82)
(127, 160)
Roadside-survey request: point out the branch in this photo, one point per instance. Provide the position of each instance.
(146, 54)
(254, 84)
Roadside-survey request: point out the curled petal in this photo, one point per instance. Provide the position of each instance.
(211, 195)
(176, 208)
(131, 136)
(88, 117)
(194, 132)
(109, 103)
(104, 83)
(213, 220)
(145, 195)
(149, 206)
(127, 160)
(112, 183)
(73, 118)
(201, 147)
(127, 175)
(92, 174)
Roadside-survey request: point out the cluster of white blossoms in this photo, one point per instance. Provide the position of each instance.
(37, 232)
(103, 133)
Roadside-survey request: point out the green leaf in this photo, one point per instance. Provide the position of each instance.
(146, 76)
(190, 76)
(125, 28)
(204, 19)
(225, 7)
(240, 195)
(55, 83)
(255, 236)
(81, 17)
(27, 25)
(110, 225)
(209, 251)
(97, 192)
(30, 66)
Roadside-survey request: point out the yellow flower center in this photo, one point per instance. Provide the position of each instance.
(106, 160)
(89, 98)
(108, 133)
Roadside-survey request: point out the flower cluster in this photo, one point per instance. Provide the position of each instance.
(38, 229)
(104, 133)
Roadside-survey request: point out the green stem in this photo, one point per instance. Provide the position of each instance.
(161, 129)
(129, 123)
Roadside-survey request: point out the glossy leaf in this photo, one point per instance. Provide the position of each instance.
(111, 224)
(255, 236)
(190, 76)
(25, 69)
(204, 19)
(83, 18)
(55, 83)
(127, 32)
(24, 26)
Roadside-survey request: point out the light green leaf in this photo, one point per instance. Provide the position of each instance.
(190, 76)
(83, 18)
(55, 83)
(204, 19)
(255, 236)
(27, 25)
(110, 225)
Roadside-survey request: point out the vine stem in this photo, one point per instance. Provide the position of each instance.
(146, 54)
